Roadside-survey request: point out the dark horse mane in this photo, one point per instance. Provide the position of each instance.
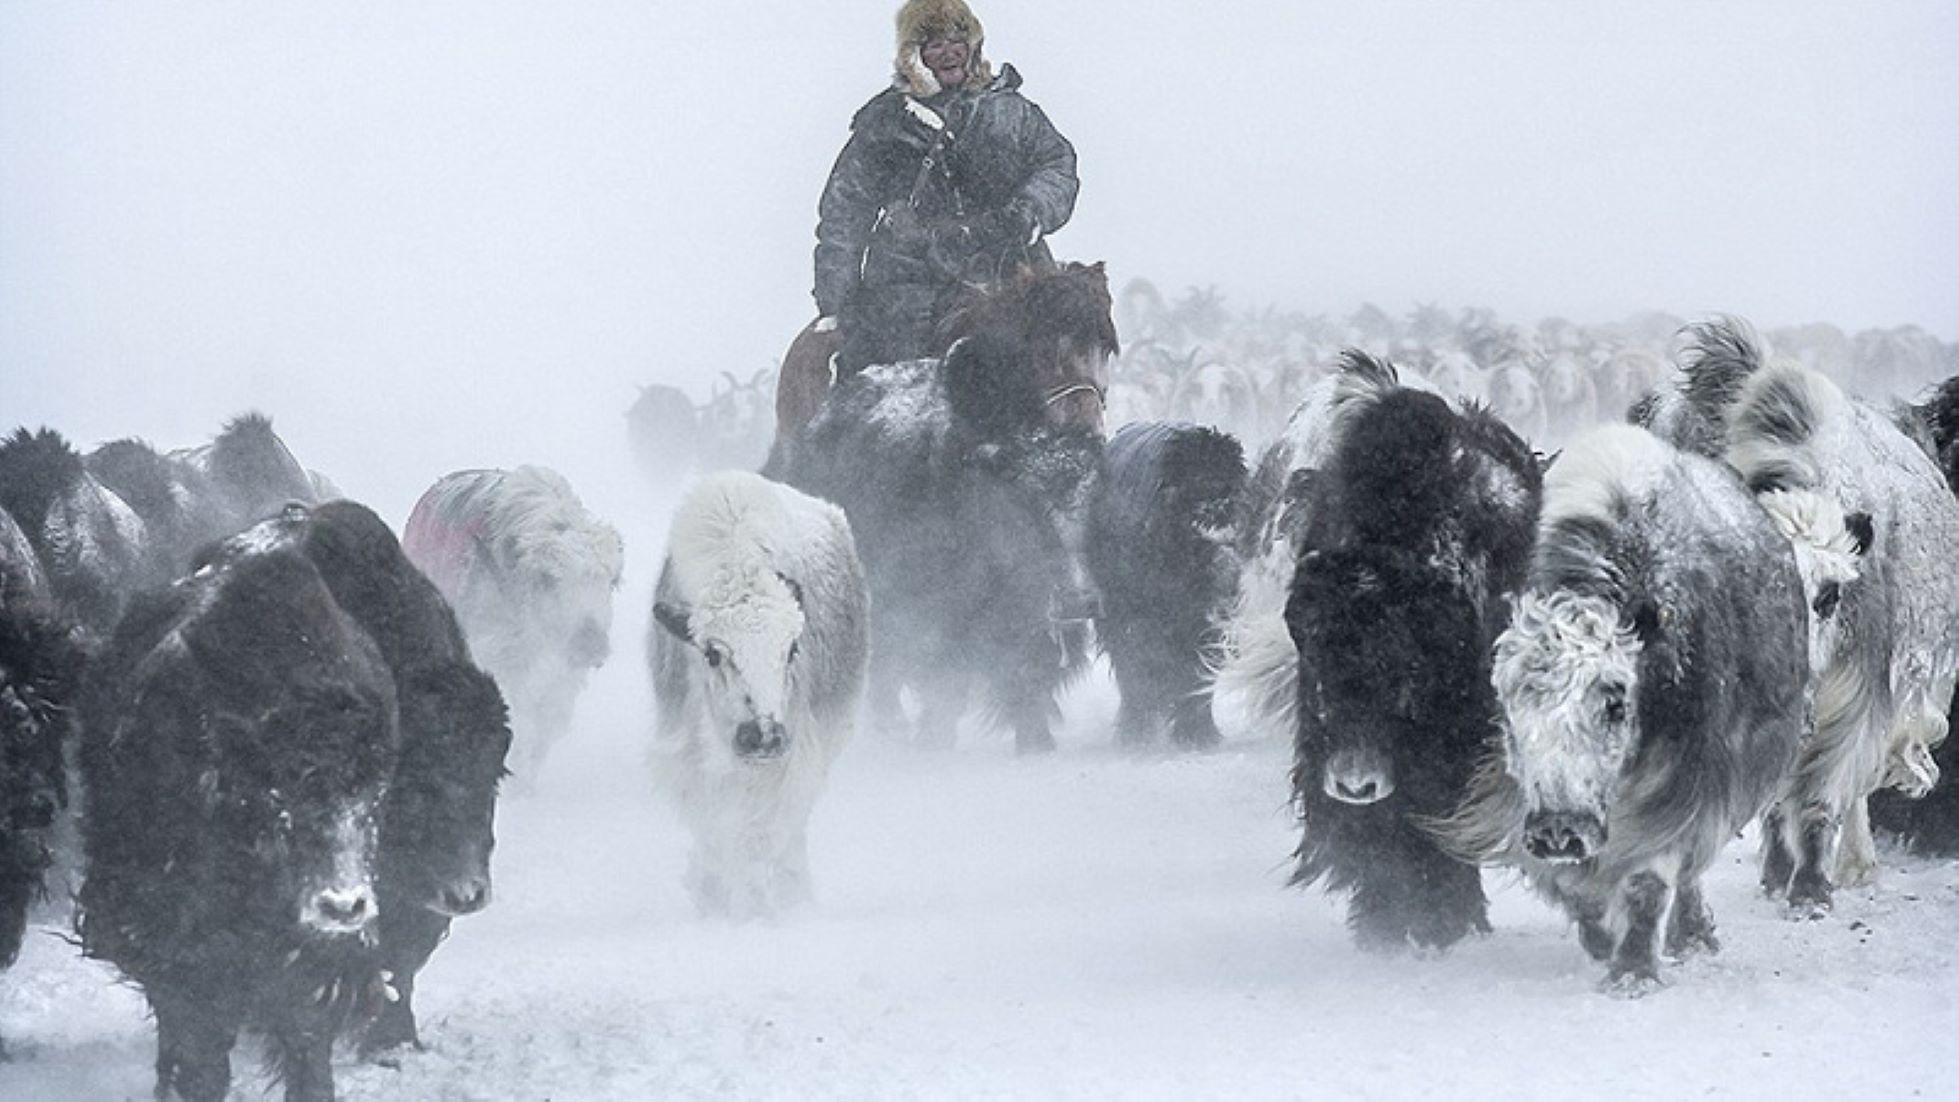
(1014, 348)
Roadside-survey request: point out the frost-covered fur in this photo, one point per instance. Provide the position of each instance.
(531, 575)
(758, 654)
(91, 545)
(1654, 689)
(1163, 528)
(922, 20)
(1257, 672)
(1884, 686)
(252, 470)
(1419, 530)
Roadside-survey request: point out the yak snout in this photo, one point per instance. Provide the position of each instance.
(1563, 837)
(761, 739)
(341, 910)
(464, 897)
(1075, 604)
(1358, 777)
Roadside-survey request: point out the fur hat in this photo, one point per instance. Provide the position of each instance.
(922, 20)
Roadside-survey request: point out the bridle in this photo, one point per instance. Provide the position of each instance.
(1069, 390)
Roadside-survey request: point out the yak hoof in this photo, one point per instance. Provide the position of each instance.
(1632, 983)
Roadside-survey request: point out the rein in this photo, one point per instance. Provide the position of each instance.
(1069, 390)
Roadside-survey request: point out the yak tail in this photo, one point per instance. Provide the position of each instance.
(1772, 433)
(1719, 358)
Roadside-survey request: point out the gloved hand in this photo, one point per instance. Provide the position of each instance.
(956, 242)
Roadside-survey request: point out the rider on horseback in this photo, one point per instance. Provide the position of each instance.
(950, 177)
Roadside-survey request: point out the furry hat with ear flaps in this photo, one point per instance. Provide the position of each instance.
(920, 21)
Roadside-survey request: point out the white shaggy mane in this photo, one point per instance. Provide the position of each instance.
(537, 516)
(1606, 466)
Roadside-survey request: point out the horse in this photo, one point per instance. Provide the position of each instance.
(966, 479)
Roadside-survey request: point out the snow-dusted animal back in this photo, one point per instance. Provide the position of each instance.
(758, 652)
(1654, 689)
(531, 575)
(1887, 678)
(1258, 671)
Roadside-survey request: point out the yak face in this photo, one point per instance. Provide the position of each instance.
(747, 634)
(300, 788)
(1829, 548)
(1386, 645)
(1566, 675)
(439, 824)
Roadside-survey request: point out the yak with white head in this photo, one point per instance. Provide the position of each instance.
(758, 652)
(1886, 668)
(531, 574)
(1654, 687)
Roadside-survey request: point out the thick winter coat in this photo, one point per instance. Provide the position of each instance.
(1654, 689)
(239, 733)
(91, 546)
(931, 189)
(1418, 535)
(1162, 530)
(438, 821)
(758, 659)
(531, 574)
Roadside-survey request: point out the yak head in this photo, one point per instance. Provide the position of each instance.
(560, 562)
(1829, 546)
(300, 788)
(746, 630)
(1566, 674)
(439, 822)
(1389, 656)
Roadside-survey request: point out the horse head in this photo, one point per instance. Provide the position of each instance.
(1057, 324)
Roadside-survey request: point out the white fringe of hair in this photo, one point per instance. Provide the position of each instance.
(1597, 470)
(525, 516)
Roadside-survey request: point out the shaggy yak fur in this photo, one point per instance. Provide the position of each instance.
(40, 674)
(967, 482)
(438, 821)
(758, 657)
(1418, 533)
(1885, 681)
(531, 575)
(252, 471)
(1931, 825)
(1162, 529)
(1653, 685)
(238, 734)
(91, 545)
(1258, 666)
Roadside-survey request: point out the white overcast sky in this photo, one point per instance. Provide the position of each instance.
(444, 234)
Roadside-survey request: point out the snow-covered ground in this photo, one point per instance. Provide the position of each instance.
(1084, 925)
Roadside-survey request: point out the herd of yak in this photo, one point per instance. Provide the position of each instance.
(280, 729)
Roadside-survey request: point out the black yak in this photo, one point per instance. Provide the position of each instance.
(1418, 532)
(1162, 533)
(91, 544)
(966, 481)
(252, 470)
(438, 820)
(40, 673)
(238, 736)
(1654, 689)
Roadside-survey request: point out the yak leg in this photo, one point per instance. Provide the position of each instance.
(409, 935)
(193, 1050)
(1408, 890)
(303, 1055)
(1810, 890)
(1778, 858)
(1691, 928)
(1857, 850)
(1192, 727)
(789, 871)
(1635, 968)
(942, 702)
